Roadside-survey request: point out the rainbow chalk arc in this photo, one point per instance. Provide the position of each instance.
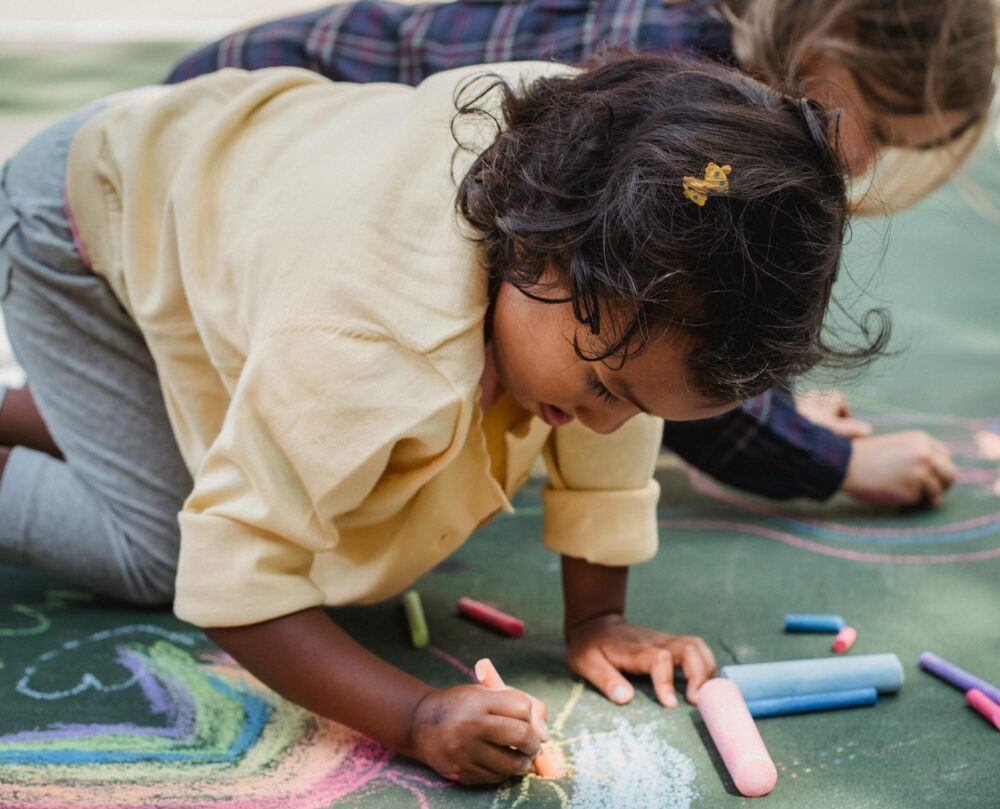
(787, 678)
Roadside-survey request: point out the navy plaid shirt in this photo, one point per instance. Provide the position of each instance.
(764, 446)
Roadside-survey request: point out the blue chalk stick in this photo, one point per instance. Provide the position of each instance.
(803, 703)
(802, 622)
(790, 678)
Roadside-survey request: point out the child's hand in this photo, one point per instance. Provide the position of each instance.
(898, 469)
(831, 410)
(466, 733)
(601, 648)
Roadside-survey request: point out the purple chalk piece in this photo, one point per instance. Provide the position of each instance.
(957, 677)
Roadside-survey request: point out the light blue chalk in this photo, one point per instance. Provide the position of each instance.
(807, 622)
(804, 703)
(789, 678)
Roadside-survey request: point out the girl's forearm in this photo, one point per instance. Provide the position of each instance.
(591, 590)
(311, 661)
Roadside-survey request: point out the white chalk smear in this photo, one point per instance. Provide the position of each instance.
(630, 766)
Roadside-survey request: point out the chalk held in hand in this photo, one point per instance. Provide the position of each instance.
(415, 619)
(485, 614)
(845, 639)
(489, 677)
(808, 622)
(956, 676)
(736, 738)
(806, 703)
(982, 703)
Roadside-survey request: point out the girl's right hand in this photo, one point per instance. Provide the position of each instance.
(474, 735)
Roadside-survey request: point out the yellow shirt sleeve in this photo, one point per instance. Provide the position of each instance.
(320, 417)
(600, 504)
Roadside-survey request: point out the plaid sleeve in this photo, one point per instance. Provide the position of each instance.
(764, 447)
(379, 40)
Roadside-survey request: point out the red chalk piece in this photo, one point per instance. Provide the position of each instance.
(845, 639)
(982, 703)
(736, 737)
(478, 611)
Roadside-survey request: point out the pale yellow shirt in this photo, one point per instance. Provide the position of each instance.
(289, 248)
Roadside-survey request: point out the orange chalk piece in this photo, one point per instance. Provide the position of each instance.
(485, 614)
(489, 677)
(982, 703)
(845, 639)
(736, 738)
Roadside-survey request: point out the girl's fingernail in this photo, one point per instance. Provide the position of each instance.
(671, 700)
(621, 693)
(545, 731)
(453, 777)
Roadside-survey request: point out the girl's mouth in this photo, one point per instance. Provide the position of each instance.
(553, 416)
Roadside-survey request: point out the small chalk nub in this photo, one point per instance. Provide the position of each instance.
(808, 622)
(494, 618)
(982, 703)
(845, 639)
(419, 634)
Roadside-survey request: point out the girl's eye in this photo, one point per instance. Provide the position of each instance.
(602, 392)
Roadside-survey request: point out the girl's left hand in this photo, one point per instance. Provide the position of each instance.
(601, 648)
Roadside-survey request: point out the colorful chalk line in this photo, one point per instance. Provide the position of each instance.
(218, 738)
(977, 456)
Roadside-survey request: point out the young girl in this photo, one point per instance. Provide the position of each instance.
(258, 307)
(913, 79)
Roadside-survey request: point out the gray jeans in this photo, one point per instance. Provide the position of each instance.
(106, 516)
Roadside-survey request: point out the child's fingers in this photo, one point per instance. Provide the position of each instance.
(501, 760)
(540, 717)
(661, 674)
(473, 773)
(944, 467)
(698, 664)
(517, 733)
(853, 428)
(594, 667)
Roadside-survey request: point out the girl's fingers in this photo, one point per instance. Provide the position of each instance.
(476, 774)
(853, 428)
(661, 673)
(944, 467)
(504, 732)
(698, 665)
(594, 667)
(500, 760)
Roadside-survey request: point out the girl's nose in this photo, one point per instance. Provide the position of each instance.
(607, 421)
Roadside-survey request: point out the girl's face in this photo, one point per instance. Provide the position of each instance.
(865, 133)
(538, 367)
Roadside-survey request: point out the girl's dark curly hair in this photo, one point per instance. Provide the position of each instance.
(582, 190)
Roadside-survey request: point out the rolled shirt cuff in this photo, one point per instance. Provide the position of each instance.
(239, 577)
(611, 527)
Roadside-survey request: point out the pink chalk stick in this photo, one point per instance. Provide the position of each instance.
(736, 737)
(982, 703)
(845, 639)
(490, 678)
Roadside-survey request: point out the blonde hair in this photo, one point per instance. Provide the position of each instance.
(909, 57)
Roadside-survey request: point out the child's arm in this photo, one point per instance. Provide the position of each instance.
(465, 732)
(601, 644)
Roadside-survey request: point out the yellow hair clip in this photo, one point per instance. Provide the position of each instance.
(716, 182)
